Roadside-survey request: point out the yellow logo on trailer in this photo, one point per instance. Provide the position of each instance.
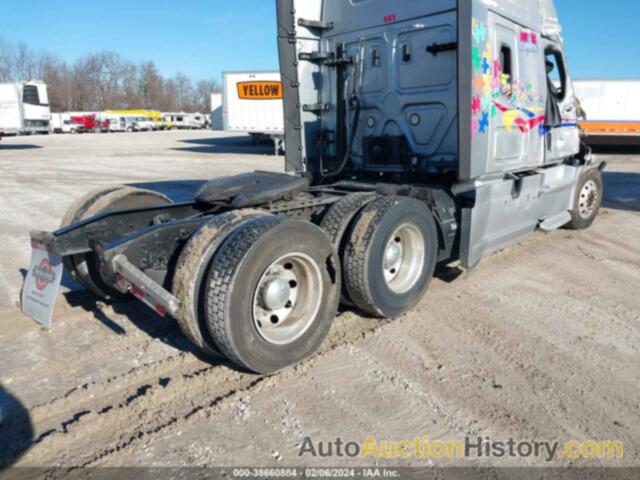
(260, 90)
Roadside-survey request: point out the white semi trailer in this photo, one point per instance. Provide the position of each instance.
(24, 108)
(611, 111)
(216, 112)
(252, 103)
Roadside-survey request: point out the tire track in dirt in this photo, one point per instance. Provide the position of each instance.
(120, 411)
(98, 422)
(130, 409)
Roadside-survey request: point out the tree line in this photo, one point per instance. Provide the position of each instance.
(104, 81)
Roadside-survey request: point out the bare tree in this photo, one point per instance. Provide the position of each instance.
(6, 61)
(129, 96)
(184, 92)
(203, 91)
(59, 78)
(169, 99)
(103, 81)
(23, 62)
(99, 76)
(151, 85)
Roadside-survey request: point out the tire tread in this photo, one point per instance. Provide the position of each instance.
(354, 260)
(196, 256)
(224, 266)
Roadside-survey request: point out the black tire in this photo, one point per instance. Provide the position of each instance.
(83, 267)
(192, 269)
(587, 200)
(75, 213)
(368, 240)
(339, 216)
(236, 271)
(336, 222)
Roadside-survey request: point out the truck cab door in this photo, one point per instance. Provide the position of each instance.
(561, 132)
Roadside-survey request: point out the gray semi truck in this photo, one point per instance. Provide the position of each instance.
(418, 132)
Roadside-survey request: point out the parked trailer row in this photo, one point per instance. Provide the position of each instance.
(124, 121)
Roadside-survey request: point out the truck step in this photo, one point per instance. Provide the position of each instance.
(555, 222)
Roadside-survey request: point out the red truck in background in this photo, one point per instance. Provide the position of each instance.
(88, 123)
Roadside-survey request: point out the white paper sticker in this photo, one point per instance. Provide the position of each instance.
(41, 286)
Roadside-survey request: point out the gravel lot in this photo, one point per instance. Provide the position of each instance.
(541, 341)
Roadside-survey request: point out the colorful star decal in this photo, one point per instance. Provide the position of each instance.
(484, 123)
(485, 66)
(477, 58)
(479, 32)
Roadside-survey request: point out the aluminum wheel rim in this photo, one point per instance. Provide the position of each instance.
(589, 199)
(403, 260)
(287, 298)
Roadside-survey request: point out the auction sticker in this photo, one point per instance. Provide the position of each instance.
(41, 285)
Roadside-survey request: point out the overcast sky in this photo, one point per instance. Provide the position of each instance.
(202, 38)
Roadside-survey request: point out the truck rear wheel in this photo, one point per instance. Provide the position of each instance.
(191, 271)
(272, 293)
(84, 267)
(588, 200)
(390, 255)
(337, 220)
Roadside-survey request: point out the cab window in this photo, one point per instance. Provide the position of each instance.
(507, 64)
(556, 73)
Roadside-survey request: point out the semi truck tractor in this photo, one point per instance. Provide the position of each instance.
(24, 108)
(418, 133)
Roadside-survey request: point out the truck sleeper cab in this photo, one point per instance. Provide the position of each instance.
(417, 133)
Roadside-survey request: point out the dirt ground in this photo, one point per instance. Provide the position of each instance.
(541, 341)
